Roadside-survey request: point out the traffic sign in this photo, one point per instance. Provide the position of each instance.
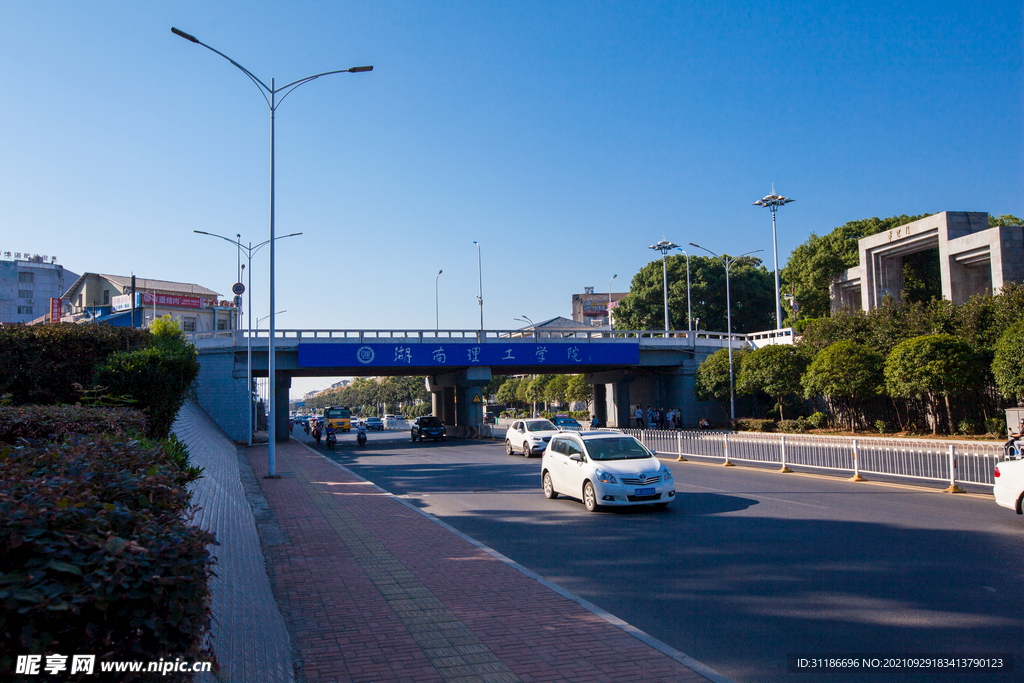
(238, 288)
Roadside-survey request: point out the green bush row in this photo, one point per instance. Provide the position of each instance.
(54, 423)
(96, 554)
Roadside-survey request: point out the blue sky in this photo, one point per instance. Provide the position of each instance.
(565, 136)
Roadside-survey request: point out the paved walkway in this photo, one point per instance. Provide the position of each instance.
(374, 590)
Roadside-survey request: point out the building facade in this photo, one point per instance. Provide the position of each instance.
(591, 308)
(973, 259)
(27, 283)
(97, 297)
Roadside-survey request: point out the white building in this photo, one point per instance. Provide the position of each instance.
(107, 299)
(27, 283)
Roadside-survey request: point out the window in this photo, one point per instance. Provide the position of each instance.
(24, 293)
(26, 277)
(222, 324)
(79, 301)
(188, 324)
(24, 310)
(106, 297)
(558, 446)
(572, 448)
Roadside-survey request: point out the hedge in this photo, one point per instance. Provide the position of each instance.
(96, 555)
(43, 363)
(55, 423)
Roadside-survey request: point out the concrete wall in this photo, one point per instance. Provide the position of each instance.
(221, 391)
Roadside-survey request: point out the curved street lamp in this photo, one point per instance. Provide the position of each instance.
(273, 102)
(611, 324)
(480, 296)
(728, 262)
(689, 309)
(773, 202)
(248, 251)
(664, 246)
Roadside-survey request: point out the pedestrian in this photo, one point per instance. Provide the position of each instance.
(594, 422)
(639, 415)
(679, 418)
(650, 417)
(670, 419)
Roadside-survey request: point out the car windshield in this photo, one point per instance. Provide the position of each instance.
(540, 426)
(429, 422)
(620, 448)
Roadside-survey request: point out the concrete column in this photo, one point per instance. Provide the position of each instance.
(448, 406)
(283, 383)
(601, 404)
(437, 404)
(471, 406)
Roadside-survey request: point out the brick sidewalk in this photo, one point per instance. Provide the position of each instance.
(374, 590)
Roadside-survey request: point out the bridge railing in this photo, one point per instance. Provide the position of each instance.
(654, 337)
(961, 462)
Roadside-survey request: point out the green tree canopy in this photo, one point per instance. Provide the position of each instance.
(555, 391)
(845, 373)
(752, 287)
(712, 380)
(773, 370)
(508, 391)
(931, 367)
(578, 389)
(1008, 363)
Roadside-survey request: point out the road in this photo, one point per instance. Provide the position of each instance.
(747, 565)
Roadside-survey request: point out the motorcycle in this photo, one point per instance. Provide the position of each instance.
(361, 437)
(316, 435)
(331, 439)
(305, 428)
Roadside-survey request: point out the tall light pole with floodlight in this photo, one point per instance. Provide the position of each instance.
(611, 325)
(437, 324)
(773, 202)
(728, 262)
(248, 251)
(480, 296)
(273, 102)
(664, 246)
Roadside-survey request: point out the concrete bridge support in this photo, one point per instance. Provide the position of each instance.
(283, 384)
(223, 391)
(457, 397)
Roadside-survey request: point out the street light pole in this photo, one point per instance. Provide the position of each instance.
(773, 202)
(728, 263)
(249, 251)
(664, 246)
(480, 296)
(437, 324)
(611, 325)
(273, 102)
(689, 309)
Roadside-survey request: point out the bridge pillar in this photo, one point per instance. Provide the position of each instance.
(282, 383)
(459, 396)
(616, 403)
(601, 404)
(447, 415)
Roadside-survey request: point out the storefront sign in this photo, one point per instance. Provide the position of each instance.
(56, 308)
(172, 300)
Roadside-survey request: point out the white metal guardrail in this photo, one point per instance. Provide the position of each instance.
(961, 462)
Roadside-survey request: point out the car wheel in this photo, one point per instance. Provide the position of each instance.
(590, 498)
(526, 449)
(549, 488)
(414, 438)
(508, 447)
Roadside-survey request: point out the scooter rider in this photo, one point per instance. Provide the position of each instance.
(361, 434)
(317, 433)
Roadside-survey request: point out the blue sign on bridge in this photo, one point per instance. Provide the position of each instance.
(440, 354)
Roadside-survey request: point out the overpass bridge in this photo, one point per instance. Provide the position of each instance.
(626, 368)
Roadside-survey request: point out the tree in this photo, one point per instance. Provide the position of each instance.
(1005, 219)
(555, 391)
(931, 367)
(773, 370)
(579, 389)
(845, 373)
(712, 380)
(751, 284)
(536, 388)
(508, 391)
(1008, 363)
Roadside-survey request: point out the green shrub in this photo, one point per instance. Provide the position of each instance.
(969, 427)
(749, 424)
(95, 554)
(55, 423)
(996, 426)
(43, 363)
(793, 426)
(882, 426)
(818, 420)
(158, 378)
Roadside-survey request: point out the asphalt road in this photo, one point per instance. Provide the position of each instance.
(747, 566)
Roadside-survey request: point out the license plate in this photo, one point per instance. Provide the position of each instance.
(644, 492)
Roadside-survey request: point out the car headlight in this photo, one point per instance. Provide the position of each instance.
(667, 476)
(605, 477)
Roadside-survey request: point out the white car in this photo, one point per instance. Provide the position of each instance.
(1009, 488)
(529, 436)
(605, 468)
